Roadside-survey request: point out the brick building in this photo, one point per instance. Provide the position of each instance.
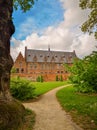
(48, 64)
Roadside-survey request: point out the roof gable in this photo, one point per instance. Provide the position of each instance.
(20, 57)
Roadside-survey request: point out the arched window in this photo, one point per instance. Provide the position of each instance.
(17, 70)
(22, 70)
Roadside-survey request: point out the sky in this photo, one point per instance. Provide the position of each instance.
(54, 23)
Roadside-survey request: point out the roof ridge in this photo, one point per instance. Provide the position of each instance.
(50, 51)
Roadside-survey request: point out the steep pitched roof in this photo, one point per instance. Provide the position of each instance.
(20, 57)
(49, 56)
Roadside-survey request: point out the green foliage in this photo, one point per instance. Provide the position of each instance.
(84, 73)
(29, 120)
(83, 107)
(40, 79)
(90, 25)
(57, 79)
(23, 4)
(22, 89)
(13, 70)
(61, 78)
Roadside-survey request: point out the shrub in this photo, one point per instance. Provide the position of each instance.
(61, 78)
(38, 79)
(41, 78)
(57, 79)
(22, 89)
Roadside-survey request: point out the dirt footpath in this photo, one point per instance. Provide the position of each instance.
(49, 113)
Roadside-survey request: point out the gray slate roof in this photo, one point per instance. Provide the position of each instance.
(49, 56)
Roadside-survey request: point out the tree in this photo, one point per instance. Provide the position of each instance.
(84, 73)
(6, 30)
(7, 104)
(90, 25)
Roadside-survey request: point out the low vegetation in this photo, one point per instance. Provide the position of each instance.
(22, 89)
(82, 107)
(11, 115)
(29, 120)
(44, 87)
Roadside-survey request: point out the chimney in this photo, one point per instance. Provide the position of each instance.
(25, 51)
(48, 47)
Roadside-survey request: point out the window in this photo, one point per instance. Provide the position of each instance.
(20, 64)
(63, 56)
(41, 56)
(17, 70)
(22, 70)
(58, 66)
(31, 66)
(35, 66)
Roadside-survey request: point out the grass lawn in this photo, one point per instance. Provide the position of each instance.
(44, 87)
(82, 107)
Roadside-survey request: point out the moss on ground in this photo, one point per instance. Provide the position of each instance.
(29, 120)
(11, 115)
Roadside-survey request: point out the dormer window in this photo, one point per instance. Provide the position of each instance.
(45, 59)
(70, 56)
(63, 56)
(41, 56)
(20, 64)
(34, 58)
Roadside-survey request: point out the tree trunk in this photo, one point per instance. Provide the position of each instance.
(6, 62)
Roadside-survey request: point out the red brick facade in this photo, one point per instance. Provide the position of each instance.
(42, 63)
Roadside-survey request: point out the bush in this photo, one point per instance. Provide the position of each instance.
(22, 89)
(84, 74)
(40, 79)
(57, 79)
(61, 78)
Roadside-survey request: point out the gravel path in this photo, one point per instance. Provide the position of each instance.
(49, 113)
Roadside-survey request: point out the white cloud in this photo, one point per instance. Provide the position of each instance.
(66, 36)
(26, 27)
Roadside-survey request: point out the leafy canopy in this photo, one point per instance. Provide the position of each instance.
(23, 4)
(90, 25)
(84, 73)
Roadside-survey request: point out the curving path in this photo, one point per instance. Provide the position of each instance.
(49, 113)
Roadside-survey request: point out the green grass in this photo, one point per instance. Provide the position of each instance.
(82, 107)
(29, 120)
(44, 87)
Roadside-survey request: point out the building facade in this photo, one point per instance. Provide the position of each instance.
(47, 64)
